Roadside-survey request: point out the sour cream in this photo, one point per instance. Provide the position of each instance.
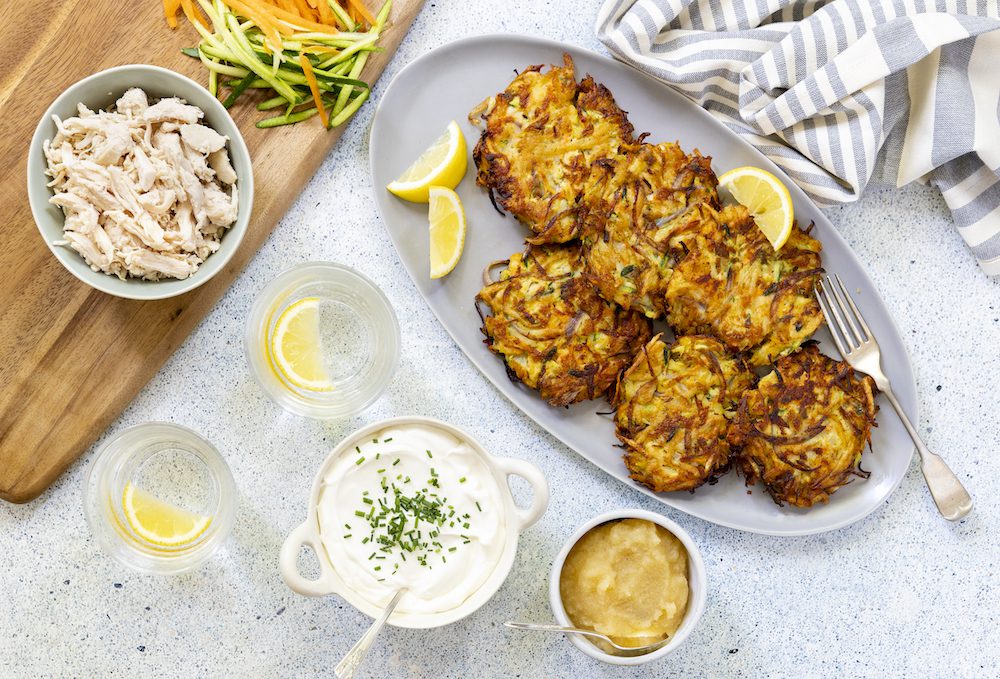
(412, 507)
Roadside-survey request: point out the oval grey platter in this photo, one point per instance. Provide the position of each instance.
(446, 84)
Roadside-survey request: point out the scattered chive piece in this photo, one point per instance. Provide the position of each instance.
(360, 460)
(462, 480)
(396, 462)
(386, 440)
(477, 506)
(429, 454)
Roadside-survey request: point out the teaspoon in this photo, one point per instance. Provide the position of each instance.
(346, 668)
(624, 651)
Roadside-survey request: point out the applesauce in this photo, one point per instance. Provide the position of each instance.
(628, 580)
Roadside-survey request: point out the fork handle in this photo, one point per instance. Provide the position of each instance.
(950, 496)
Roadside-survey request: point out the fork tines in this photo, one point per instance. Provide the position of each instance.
(847, 325)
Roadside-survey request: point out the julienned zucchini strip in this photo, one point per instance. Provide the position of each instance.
(238, 48)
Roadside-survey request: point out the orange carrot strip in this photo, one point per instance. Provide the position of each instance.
(313, 87)
(193, 15)
(325, 13)
(304, 11)
(280, 15)
(271, 29)
(362, 10)
(170, 8)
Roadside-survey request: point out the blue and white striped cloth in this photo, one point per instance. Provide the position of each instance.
(841, 93)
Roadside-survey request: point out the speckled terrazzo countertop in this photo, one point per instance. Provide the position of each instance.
(901, 593)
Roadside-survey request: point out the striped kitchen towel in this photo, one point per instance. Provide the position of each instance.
(841, 93)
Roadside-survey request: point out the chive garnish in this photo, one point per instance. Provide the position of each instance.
(395, 519)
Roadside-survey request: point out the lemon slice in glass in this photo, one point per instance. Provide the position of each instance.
(443, 164)
(160, 523)
(296, 348)
(766, 198)
(447, 230)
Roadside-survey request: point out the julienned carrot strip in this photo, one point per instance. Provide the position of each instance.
(320, 49)
(291, 18)
(271, 29)
(313, 87)
(325, 13)
(170, 8)
(304, 10)
(363, 11)
(193, 15)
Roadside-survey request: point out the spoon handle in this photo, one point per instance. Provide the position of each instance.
(557, 628)
(346, 668)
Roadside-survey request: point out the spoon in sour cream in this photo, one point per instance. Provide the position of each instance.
(346, 668)
(615, 649)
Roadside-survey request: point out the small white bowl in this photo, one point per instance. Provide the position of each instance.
(696, 584)
(329, 582)
(99, 91)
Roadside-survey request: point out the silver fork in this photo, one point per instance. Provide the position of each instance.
(860, 349)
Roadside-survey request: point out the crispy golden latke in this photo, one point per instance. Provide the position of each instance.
(673, 409)
(654, 197)
(803, 429)
(545, 139)
(734, 286)
(554, 331)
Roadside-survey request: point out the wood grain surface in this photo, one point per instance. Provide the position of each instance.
(71, 358)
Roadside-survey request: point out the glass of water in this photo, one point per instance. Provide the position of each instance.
(353, 330)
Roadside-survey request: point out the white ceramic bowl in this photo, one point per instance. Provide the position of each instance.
(516, 519)
(696, 583)
(99, 91)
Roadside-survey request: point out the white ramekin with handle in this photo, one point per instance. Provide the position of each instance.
(515, 519)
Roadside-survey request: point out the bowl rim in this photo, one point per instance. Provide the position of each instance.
(697, 582)
(237, 146)
(516, 520)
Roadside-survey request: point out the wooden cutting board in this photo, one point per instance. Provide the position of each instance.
(71, 358)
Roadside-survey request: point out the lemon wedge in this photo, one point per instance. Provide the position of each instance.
(447, 231)
(296, 347)
(443, 164)
(766, 198)
(160, 523)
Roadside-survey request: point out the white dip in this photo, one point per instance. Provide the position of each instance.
(432, 519)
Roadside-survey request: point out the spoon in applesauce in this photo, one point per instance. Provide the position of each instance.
(613, 648)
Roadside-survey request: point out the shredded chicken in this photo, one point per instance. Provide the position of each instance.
(147, 191)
